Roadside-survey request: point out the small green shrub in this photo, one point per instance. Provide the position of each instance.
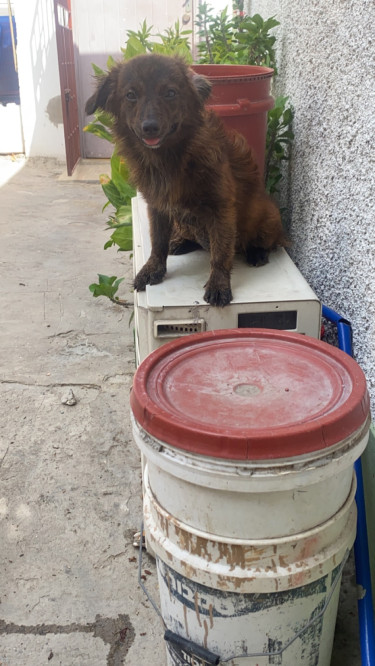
(238, 39)
(278, 141)
(107, 286)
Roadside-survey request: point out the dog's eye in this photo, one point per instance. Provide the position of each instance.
(131, 96)
(170, 93)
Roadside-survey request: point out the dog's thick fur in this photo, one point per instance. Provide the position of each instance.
(201, 183)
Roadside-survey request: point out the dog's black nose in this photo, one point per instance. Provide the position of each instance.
(150, 128)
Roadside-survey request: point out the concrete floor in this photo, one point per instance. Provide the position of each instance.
(70, 481)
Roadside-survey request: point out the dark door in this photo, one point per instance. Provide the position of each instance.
(64, 38)
(9, 86)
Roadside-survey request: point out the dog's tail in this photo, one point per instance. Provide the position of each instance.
(243, 162)
(260, 229)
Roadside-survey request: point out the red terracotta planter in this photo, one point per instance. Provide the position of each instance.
(241, 96)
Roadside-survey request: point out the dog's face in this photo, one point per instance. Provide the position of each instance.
(156, 97)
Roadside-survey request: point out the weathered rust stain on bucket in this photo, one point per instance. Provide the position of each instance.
(240, 565)
(205, 633)
(186, 622)
(196, 605)
(211, 616)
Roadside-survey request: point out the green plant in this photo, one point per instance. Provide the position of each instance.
(119, 193)
(174, 42)
(278, 142)
(116, 187)
(243, 39)
(225, 38)
(107, 286)
(238, 39)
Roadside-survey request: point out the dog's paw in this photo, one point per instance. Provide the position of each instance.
(216, 296)
(256, 256)
(146, 276)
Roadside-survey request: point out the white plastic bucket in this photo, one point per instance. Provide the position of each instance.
(249, 602)
(250, 499)
(250, 438)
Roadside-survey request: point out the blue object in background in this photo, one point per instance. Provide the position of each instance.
(9, 86)
(361, 555)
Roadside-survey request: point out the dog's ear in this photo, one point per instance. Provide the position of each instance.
(202, 86)
(103, 97)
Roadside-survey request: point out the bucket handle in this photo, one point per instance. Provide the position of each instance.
(242, 107)
(206, 655)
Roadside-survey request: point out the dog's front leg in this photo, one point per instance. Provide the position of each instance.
(222, 249)
(156, 267)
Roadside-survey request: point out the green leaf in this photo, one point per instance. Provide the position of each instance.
(120, 177)
(110, 62)
(98, 130)
(287, 135)
(280, 101)
(98, 71)
(271, 23)
(257, 19)
(107, 286)
(124, 215)
(134, 47)
(278, 148)
(288, 116)
(112, 194)
(123, 237)
(104, 118)
(275, 114)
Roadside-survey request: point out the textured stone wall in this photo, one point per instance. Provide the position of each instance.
(326, 60)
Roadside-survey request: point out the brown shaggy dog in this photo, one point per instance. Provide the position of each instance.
(201, 183)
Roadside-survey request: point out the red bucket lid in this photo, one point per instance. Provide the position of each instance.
(249, 394)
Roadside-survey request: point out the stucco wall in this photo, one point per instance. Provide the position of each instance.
(326, 57)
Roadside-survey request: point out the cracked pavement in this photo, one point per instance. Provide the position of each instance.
(70, 478)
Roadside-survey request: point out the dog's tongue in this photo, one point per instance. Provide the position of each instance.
(152, 142)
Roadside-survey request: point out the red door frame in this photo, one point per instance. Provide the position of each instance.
(65, 51)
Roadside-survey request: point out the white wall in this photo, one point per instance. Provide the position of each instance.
(39, 79)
